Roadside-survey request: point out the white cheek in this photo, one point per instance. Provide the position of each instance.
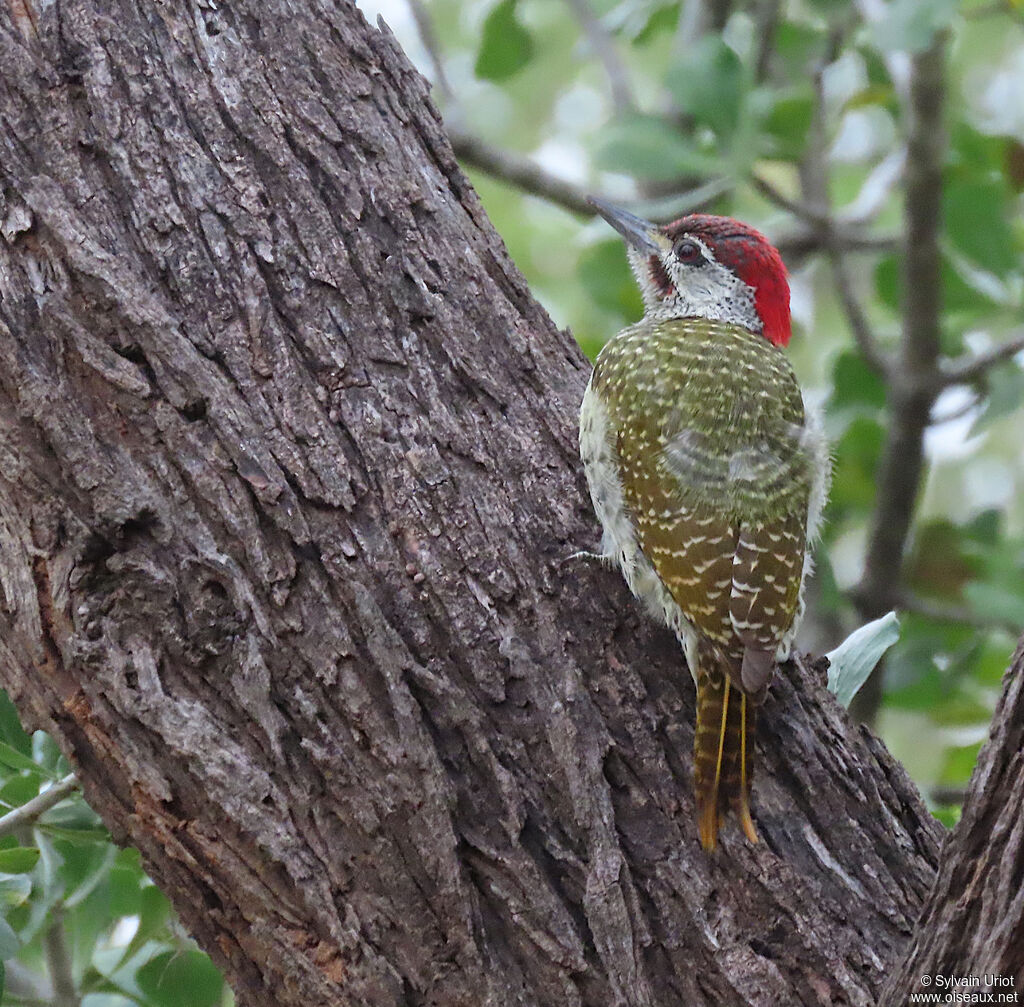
(712, 291)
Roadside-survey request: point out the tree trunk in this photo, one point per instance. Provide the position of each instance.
(288, 492)
(973, 922)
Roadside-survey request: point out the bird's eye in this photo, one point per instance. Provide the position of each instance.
(688, 252)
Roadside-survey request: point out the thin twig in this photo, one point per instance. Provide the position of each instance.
(58, 962)
(815, 216)
(519, 171)
(38, 806)
(965, 370)
(527, 175)
(824, 231)
(951, 612)
(803, 243)
(815, 209)
(428, 36)
(863, 335)
(958, 413)
(945, 793)
(605, 50)
(766, 21)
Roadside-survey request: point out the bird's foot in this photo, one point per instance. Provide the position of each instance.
(586, 554)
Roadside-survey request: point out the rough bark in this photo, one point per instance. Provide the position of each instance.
(973, 922)
(288, 486)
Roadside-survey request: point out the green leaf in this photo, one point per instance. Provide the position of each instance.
(957, 293)
(665, 19)
(1005, 393)
(925, 689)
(176, 978)
(652, 149)
(604, 272)
(910, 25)
(505, 45)
(937, 564)
(961, 709)
(96, 876)
(11, 730)
(10, 945)
(797, 47)
(11, 757)
(873, 94)
(986, 527)
(855, 483)
(640, 21)
(154, 912)
(994, 601)
(887, 281)
(960, 294)
(14, 890)
(19, 790)
(960, 763)
(856, 657)
(121, 971)
(993, 659)
(854, 384)
(788, 124)
(19, 860)
(709, 83)
(977, 215)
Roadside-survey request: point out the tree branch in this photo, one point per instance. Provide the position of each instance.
(428, 36)
(817, 216)
(605, 49)
(825, 235)
(951, 612)
(31, 810)
(974, 918)
(912, 386)
(58, 962)
(965, 370)
(766, 20)
(518, 171)
(879, 361)
(527, 175)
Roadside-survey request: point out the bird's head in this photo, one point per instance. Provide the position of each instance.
(703, 266)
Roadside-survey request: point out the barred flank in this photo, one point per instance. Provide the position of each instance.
(723, 749)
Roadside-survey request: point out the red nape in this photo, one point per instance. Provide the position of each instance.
(771, 298)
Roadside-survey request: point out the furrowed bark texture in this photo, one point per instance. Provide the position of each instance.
(973, 921)
(288, 483)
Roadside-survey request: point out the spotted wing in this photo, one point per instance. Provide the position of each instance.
(690, 547)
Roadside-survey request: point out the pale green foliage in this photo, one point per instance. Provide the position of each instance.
(850, 664)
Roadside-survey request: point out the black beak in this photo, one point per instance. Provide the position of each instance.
(638, 232)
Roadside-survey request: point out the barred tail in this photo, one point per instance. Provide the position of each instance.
(723, 749)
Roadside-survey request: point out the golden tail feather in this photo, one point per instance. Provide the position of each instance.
(722, 755)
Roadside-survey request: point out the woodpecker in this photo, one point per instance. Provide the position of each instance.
(708, 475)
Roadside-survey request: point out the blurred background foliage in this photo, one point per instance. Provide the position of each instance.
(794, 116)
(80, 923)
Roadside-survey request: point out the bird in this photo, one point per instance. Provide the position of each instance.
(708, 474)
